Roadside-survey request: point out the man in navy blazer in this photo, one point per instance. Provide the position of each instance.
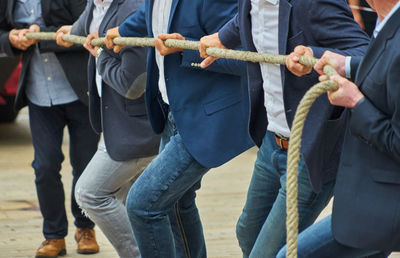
(278, 27)
(201, 115)
(129, 143)
(365, 220)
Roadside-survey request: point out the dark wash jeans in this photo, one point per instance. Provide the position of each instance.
(47, 128)
(161, 203)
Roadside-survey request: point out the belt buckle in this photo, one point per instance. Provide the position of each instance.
(281, 139)
(280, 142)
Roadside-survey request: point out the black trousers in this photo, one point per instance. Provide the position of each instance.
(47, 127)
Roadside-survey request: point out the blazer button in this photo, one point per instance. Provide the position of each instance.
(88, 93)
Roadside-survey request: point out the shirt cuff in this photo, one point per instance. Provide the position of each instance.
(347, 67)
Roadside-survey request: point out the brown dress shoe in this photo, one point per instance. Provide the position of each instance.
(86, 239)
(51, 248)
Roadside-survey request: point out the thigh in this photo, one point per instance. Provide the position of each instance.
(83, 140)
(105, 176)
(263, 188)
(318, 241)
(47, 126)
(168, 177)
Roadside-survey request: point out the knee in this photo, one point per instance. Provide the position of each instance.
(46, 170)
(85, 197)
(282, 253)
(244, 238)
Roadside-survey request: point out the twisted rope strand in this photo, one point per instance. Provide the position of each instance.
(292, 220)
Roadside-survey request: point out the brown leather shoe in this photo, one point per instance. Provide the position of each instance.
(86, 239)
(51, 248)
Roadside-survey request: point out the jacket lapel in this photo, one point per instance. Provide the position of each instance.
(109, 15)
(10, 9)
(149, 17)
(173, 9)
(377, 47)
(45, 8)
(284, 18)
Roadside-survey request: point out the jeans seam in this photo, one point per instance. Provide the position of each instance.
(182, 230)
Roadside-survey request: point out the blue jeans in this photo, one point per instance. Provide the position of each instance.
(47, 128)
(161, 203)
(261, 229)
(318, 241)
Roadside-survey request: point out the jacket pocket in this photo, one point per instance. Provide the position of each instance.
(220, 104)
(135, 108)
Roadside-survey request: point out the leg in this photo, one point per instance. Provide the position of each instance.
(318, 241)
(261, 195)
(83, 145)
(273, 233)
(47, 125)
(152, 197)
(187, 227)
(96, 192)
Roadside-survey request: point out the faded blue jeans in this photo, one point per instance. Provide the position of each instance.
(261, 229)
(101, 191)
(161, 203)
(318, 241)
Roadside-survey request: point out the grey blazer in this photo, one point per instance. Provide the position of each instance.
(123, 121)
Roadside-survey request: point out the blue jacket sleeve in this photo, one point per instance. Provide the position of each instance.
(211, 22)
(333, 27)
(135, 25)
(230, 33)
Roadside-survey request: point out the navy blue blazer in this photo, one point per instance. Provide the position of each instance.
(366, 210)
(123, 121)
(210, 107)
(321, 25)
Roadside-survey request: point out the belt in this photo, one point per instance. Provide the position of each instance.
(282, 142)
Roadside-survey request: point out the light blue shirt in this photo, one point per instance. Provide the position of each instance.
(47, 84)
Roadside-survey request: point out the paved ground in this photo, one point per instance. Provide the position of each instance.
(220, 200)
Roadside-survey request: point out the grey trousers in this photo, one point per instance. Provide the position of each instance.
(101, 191)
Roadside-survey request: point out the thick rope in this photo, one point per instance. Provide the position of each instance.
(292, 221)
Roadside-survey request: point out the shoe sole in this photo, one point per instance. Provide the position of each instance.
(87, 252)
(61, 253)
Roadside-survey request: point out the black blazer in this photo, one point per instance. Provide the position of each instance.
(55, 14)
(366, 210)
(124, 122)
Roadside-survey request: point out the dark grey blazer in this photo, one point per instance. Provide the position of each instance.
(55, 14)
(366, 210)
(123, 121)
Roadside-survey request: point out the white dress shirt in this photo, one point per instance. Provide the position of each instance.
(265, 22)
(382, 23)
(160, 19)
(99, 11)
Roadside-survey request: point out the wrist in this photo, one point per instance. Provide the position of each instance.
(357, 100)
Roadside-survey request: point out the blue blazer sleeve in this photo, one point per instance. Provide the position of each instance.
(333, 27)
(211, 22)
(135, 25)
(379, 129)
(230, 33)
